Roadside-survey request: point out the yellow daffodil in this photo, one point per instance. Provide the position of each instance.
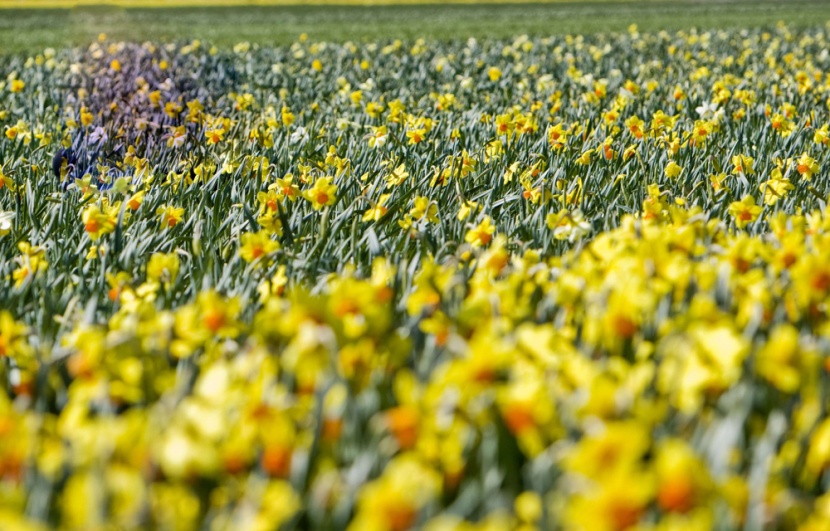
(323, 193)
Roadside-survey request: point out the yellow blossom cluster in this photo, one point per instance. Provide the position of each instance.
(573, 283)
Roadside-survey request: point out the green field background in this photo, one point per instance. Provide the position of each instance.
(60, 4)
(30, 30)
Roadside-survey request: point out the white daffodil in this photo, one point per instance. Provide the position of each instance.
(6, 219)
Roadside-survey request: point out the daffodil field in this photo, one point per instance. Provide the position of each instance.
(571, 283)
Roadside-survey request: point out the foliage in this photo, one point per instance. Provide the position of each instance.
(573, 282)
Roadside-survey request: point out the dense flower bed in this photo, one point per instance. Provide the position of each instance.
(573, 282)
